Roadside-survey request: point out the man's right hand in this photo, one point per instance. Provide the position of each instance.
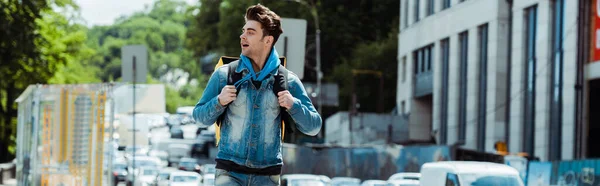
(227, 95)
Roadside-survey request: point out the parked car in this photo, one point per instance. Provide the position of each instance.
(374, 183)
(162, 179)
(183, 178)
(176, 132)
(176, 152)
(304, 179)
(119, 172)
(405, 176)
(401, 182)
(208, 179)
(204, 141)
(146, 176)
(208, 169)
(189, 164)
(345, 181)
(469, 173)
(140, 162)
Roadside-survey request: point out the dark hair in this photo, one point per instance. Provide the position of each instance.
(269, 20)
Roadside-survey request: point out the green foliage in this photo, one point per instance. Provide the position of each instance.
(162, 29)
(378, 56)
(348, 38)
(36, 43)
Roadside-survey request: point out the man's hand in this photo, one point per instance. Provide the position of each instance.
(227, 95)
(285, 99)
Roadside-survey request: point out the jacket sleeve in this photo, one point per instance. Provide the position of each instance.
(208, 109)
(304, 114)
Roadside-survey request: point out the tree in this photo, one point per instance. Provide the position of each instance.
(35, 43)
(162, 29)
(378, 56)
(348, 37)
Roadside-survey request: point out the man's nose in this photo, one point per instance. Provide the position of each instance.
(242, 36)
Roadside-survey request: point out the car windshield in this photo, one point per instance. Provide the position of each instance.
(163, 176)
(119, 166)
(209, 170)
(184, 178)
(187, 164)
(141, 163)
(490, 180)
(345, 183)
(209, 181)
(149, 172)
(302, 182)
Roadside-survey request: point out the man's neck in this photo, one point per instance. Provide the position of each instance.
(260, 63)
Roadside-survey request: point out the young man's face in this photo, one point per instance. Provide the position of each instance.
(252, 41)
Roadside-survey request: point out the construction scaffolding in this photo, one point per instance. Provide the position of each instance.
(64, 135)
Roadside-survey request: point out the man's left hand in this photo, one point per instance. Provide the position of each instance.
(285, 99)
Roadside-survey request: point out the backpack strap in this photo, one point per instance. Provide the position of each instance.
(232, 77)
(281, 84)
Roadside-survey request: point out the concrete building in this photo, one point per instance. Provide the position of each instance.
(477, 72)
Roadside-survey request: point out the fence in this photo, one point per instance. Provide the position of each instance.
(373, 162)
(62, 133)
(564, 173)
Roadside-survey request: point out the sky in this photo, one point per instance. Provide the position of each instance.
(104, 12)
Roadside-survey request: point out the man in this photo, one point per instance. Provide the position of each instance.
(250, 142)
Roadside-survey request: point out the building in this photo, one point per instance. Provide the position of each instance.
(477, 72)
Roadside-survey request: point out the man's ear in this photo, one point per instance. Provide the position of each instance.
(269, 40)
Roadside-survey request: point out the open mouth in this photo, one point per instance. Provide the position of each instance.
(245, 45)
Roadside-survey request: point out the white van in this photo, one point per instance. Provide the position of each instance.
(468, 173)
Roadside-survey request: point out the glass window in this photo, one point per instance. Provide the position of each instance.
(445, 53)
(406, 13)
(452, 180)
(416, 10)
(530, 79)
(482, 111)
(430, 7)
(462, 105)
(445, 4)
(556, 80)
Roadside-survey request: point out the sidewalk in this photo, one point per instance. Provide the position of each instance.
(10, 182)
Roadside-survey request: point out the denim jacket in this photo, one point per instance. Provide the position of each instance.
(251, 128)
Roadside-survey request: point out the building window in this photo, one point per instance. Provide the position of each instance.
(423, 59)
(416, 10)
(556, 80)
(430, 6)
(462, 80)
(530, 67)
(406, 13)
(445, 59)
(403, 108)
(404, 69)
(482, 105)
(445, 4)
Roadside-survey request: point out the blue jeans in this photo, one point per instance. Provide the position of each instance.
(226, 178)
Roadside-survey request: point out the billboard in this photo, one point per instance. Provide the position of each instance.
(292, 44)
